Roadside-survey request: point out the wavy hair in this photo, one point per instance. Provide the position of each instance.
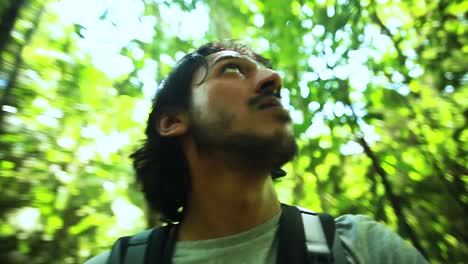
(160, 163)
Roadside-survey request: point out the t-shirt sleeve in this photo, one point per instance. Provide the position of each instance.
(99, 259)
(367, 241)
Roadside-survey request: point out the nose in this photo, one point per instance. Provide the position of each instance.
(268, 79)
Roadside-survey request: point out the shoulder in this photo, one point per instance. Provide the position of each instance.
(367, 241)
(99, 259)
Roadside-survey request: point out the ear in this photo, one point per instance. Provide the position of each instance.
(172, 125)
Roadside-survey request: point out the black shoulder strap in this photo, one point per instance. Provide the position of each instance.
(133, 249)
(161, 244)
(291, 247)
(333, 239)
(328, 226)
(322, 243)
(317, 237)
(338, 251)
(118, 250)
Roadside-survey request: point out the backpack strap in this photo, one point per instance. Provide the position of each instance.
(316, 240)
(338, 251)
(322, 242)
(118, 250)
(291, 246)
(133, 249)
(161, 244)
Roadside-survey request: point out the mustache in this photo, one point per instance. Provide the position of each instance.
(264, 94)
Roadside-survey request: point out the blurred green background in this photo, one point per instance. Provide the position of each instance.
(377, 90)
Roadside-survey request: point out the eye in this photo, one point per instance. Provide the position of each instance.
(232, 68)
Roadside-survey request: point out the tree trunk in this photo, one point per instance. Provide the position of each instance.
(8, 21)
(5, 99)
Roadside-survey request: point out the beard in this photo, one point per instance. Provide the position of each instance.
(247, 149)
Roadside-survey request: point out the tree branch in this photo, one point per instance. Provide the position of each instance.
(393, 198)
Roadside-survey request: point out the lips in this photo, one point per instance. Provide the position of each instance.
(270, 102)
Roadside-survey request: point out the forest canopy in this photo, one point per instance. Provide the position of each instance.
(377, 90)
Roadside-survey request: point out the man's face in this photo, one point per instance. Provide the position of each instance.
(235, 109)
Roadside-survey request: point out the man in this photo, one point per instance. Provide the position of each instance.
(216, 138)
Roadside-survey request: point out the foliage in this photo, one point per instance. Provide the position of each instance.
(377, 91)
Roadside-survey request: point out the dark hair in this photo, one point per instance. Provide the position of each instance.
(160, 164)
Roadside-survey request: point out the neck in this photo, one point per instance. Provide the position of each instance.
(225, 199)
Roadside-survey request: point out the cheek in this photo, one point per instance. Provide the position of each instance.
(216, 97)
(229, 96)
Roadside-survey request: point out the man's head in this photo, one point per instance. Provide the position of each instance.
(225, 98)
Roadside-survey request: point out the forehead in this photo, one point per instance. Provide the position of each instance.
(229, 54)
